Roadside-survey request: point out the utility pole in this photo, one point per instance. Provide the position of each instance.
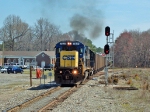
(3, 52)
(2, 59)
(111, 55)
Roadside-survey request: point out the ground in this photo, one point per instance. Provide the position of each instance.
(12, 85)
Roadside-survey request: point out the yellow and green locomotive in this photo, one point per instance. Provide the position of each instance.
(73, 60)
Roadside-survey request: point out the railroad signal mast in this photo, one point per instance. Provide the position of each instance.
(109, 55)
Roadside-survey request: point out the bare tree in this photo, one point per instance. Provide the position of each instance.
(13, 31)
(18, 36)
(44, 34)
(53, 35)
(27, 42)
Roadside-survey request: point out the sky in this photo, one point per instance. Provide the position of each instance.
(89, 17)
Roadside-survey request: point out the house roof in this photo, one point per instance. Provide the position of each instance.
(26, 53)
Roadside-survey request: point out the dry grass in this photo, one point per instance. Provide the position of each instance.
(139, 78)
(145, 85)
(129, 82)
(111, 80)
(136, 77)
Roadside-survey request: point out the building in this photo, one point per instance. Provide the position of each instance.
(39, 58)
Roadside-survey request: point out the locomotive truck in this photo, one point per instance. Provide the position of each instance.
(74, 60)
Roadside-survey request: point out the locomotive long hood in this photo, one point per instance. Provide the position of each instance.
(69, 59)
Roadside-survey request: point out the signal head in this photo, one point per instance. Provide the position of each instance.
(107, 31)
(106, 49)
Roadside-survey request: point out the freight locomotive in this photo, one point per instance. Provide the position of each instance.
(74, 60)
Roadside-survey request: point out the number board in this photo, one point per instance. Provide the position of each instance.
(75, 43)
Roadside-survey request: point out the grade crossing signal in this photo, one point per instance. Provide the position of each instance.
(107, 30)
(106, 49)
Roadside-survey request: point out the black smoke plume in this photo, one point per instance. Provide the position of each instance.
(86, 25)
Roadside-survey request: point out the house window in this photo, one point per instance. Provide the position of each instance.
(33, 60)
(14, 61)
(43, 55)
(27, 60)
(8, 60)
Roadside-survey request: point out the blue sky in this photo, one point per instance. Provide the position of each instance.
(120, 15)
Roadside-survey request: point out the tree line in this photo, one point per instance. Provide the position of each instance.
(132, 49)
(17, 35)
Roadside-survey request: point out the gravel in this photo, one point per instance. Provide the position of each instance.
(15, 89)
(92, 97)
(41, 103)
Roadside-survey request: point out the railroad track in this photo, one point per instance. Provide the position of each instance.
(59, 99)
(65, 95)
(30, 101)
(48, 100)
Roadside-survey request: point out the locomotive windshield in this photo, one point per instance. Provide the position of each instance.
(69, 48)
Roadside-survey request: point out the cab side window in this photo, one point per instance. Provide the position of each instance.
(81, 50)
(57, 50)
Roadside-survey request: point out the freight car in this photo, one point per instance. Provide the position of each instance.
(74, 61)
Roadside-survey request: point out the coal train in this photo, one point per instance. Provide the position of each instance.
(74, 61)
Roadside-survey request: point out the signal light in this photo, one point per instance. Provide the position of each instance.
(106, 49)
(107, 31)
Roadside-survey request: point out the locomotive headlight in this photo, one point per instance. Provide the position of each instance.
(69, 43)
(75, 72)
(60, 71)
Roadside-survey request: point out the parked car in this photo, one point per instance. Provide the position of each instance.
(14, 69)
(24, 66)
(21, 66)
(3, 70)
(7, 64)
(49, 67)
